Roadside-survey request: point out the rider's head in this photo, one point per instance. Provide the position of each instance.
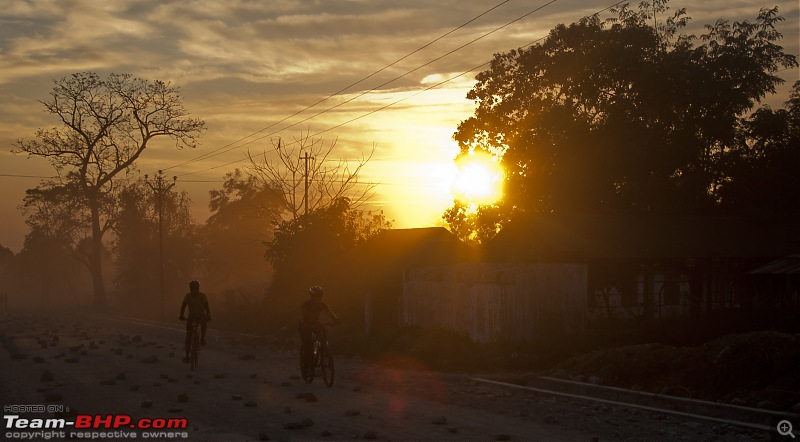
(194, 286)
(316, 292)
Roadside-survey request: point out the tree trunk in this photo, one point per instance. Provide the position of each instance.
(96, 256)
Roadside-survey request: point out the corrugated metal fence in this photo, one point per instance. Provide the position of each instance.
(518, 302)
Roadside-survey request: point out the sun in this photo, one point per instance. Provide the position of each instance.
(479, 179)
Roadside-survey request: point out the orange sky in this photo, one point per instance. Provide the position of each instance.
(244, 65)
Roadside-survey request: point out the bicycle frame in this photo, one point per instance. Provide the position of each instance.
(318, 345)
(317, 355)
(194, 346)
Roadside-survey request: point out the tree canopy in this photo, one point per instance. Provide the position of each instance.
(136, 247)
(105, 125)
(761, 168)
(620, 116)
(318, 248)
(244, 213)
(307, 178)
(319, 213)
(321, 237)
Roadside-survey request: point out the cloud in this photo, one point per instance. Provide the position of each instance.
(52, 36)
(243, 65)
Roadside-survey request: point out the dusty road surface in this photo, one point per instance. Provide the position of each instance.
(245, 389)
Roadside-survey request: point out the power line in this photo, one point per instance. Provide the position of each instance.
(213, 152)
(385, 106)
(353, 119)
(220, 152)
(359, 183)
(356, 118)
(12, 175)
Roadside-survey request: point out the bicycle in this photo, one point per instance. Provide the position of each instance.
(320, 357)
(194, 343)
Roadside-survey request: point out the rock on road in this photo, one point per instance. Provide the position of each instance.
(245, 389)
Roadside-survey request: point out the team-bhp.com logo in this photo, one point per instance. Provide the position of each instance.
(88, 426)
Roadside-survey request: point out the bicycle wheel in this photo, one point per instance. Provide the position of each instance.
(328, 369)
(195, 350)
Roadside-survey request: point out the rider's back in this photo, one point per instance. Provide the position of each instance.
(310, 312)
(196, 303)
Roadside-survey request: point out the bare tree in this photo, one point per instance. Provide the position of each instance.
(106, 124)
(308, 178)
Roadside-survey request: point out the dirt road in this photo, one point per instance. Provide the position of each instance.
(246, 389)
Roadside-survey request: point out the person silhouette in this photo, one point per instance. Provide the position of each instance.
(310, 312)
(199, 311)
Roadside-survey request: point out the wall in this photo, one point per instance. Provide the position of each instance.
(517, 302)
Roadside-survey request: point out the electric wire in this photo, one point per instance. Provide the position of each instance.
(436, 85)
(13, 175)
(211, 153)
(374, 89)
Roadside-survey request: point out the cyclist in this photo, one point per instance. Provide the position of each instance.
(309, 317)
(199, 311)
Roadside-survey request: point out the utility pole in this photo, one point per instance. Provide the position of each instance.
(305, 158)
(160, 187)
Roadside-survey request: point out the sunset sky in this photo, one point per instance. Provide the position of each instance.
(244, 66)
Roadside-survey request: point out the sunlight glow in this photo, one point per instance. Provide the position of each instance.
(479, 179)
